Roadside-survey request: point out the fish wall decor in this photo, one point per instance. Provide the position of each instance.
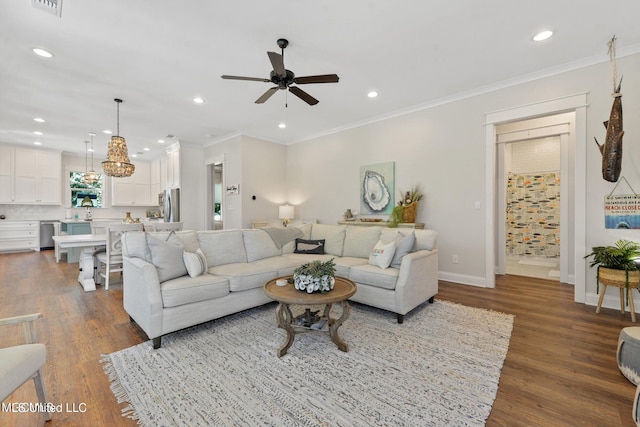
(611, 150)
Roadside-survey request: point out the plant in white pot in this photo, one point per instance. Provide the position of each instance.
(616, 264)
(315, 276)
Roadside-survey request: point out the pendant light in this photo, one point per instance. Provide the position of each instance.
(117, 164)
(91, 177)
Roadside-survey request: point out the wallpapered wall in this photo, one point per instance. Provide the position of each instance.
(533, 214)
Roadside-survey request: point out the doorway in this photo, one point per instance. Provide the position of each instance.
(573, 160)
(216, 175)
(215, 196)
(532, 155)
(532, 222)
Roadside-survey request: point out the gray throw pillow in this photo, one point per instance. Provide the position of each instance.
(166, 256)
(404, 245)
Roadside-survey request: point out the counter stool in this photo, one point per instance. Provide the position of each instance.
(628, 353)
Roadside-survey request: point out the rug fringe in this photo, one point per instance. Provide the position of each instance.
(118, 389)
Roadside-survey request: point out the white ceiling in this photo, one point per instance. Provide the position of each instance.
(157, 55)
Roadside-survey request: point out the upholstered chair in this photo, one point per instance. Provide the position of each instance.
(21, 363)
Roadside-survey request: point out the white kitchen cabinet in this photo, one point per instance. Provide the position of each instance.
(155, 181)
(19, 235)
(173, 167)
(37, 177)
(6, 174)
(134, 190)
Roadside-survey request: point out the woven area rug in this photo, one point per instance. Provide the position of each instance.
(440, 368)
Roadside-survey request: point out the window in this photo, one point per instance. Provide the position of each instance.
(80, 191)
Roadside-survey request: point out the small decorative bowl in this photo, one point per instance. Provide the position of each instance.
(282, 282)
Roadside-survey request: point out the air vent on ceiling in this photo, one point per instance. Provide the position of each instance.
(52, 6)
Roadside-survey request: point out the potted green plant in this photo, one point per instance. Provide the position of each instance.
(397, 215)
(315, 276)
(616, 264)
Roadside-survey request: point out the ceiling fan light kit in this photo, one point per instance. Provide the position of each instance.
(117, 164)
(283, 79)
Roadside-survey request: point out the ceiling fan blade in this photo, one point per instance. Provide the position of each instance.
(278, 63)
(303, 95)
(254, 79)
(324, 78)
(266, 95)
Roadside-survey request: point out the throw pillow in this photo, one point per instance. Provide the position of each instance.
(195, 262)
(381, 254)
(309, 246)
(166, 256)
(404, 246)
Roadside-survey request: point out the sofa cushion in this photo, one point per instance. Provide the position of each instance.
(343, 264)
(404, 246)
(333, 236)
(189, 239)
(222, 246)
(166, 256)
(243, 276)
(382, 254)
(426, 239)
(186, 290)
(195, 262)
(282, 265)
(134, 244)
(259, 245)
(306, 234)
(371, 275)
(359, 241)
(304, 246)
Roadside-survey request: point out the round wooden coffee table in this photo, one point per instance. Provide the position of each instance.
(287, 295)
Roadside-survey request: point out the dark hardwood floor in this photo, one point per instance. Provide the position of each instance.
(560, 369)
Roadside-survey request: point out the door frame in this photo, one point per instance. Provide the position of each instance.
(578, 104)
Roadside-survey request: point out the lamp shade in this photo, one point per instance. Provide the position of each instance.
(286, 212)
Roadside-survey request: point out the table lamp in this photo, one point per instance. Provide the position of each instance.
(286, 213)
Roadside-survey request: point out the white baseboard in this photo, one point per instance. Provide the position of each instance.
(612, 301)
(462, 279)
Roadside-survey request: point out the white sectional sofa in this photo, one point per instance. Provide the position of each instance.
(161, 296)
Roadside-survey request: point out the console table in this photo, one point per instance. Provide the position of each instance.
(416, 225)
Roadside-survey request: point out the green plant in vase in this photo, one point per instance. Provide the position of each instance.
(315, 276)
(616, 263)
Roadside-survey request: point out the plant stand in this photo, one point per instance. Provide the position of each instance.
(625, 280)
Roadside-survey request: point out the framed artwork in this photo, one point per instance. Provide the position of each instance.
(233, 189)
(377, 187)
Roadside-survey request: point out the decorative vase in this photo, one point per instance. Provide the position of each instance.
(310, 284)
(127, 219)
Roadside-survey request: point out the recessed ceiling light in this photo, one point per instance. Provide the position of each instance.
(282, 125)
(107, 131)
(372, 94)
(37, 132)
(147, 149)
(39, 120)
(37, 143)
(42, 52)
(161, 141)
(134, 155)
(542, 36)
(198, 100)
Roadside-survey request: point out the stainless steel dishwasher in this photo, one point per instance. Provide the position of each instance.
(46, 234)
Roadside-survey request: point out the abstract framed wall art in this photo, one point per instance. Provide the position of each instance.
(377, 188)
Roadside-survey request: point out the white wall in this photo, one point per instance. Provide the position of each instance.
(442, 148)
(264, 165)
(192, 186)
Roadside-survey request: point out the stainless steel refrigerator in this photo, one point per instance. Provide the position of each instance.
(170, 205)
